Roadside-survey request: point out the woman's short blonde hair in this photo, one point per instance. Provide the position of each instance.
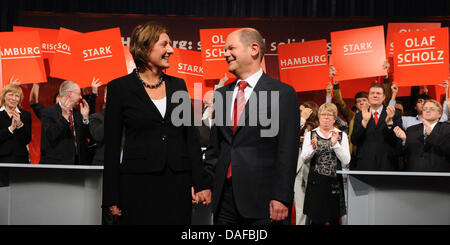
(328, 107)
(143, 38)
(13, 89)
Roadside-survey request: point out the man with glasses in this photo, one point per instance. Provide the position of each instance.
(64, 128)
(427, 145)
(409, 121)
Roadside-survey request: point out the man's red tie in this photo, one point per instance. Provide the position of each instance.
(72, 129)
(239, 105)
(376, 117)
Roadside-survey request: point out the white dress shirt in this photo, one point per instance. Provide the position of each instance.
(342, 149)
(252, 81)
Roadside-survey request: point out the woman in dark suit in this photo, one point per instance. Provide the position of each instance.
(151, 183)
(15, 126)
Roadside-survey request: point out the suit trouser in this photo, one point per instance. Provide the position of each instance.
(227, 213)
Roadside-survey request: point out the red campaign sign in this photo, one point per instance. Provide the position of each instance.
(96, 54)
(304, 65)
(1, 76)
(48, 39)
(421, 57)
(395, 28)
(358, 53)
(63, 62)
(187, 64)
(213, 45)
(21, 50)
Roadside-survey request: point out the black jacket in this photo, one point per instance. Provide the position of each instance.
(431, 154)
(263, 168)
(13, 147)
(57, 142)
(377, 145)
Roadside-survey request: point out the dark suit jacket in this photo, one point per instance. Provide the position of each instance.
(263, 167)
(431, 154)
(152, 142)
(57, 144)
(13, 147)
(97, 130)
(377, 146)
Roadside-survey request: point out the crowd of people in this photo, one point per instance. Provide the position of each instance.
(248, 179)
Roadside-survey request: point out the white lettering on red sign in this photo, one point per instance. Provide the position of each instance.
(305, 61)
(420, 51)
(190, 69)
(358, 48)
(20, 53)
(97, 53)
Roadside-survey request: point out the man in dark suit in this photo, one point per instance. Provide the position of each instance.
(65, 129)
(373, 134)
(253, 164)
(427, 145)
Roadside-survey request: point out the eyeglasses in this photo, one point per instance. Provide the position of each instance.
(326, 115)
(430, 109)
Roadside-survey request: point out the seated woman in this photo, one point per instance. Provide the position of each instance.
(326, 148)
(15, 126)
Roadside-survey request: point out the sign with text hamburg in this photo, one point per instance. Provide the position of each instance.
(304, 65)
(421, 58)
(21, 57)
(48, 38)
(395, 28)
(213, 50)
(63, 64)
(100, 55)
(358, 53)
(187, 64)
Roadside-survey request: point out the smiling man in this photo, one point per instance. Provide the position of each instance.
(253, 175)
(373, 134)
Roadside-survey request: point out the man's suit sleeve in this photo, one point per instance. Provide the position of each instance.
(288, 147)
(358, 130)
(54, 126)
(113, 137)
(96, 127)
(199, 176)
(212, 151)
(440, 140)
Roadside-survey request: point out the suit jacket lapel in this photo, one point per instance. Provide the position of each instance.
(139, 90)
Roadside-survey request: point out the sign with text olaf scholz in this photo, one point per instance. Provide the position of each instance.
(21, 57)
(394, 28)
(304, 65)
(187, 64)
(358, 53)
(100, 54)
(421, 57)
(213, 50)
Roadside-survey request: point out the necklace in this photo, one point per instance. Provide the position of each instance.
(148, 85)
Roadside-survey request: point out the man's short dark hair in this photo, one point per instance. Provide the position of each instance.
(361, 94)
(376, 85)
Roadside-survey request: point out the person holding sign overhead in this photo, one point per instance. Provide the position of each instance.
(161, 161)
(253, 169)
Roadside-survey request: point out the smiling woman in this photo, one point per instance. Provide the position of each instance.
(15, 126)
(159, 159)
